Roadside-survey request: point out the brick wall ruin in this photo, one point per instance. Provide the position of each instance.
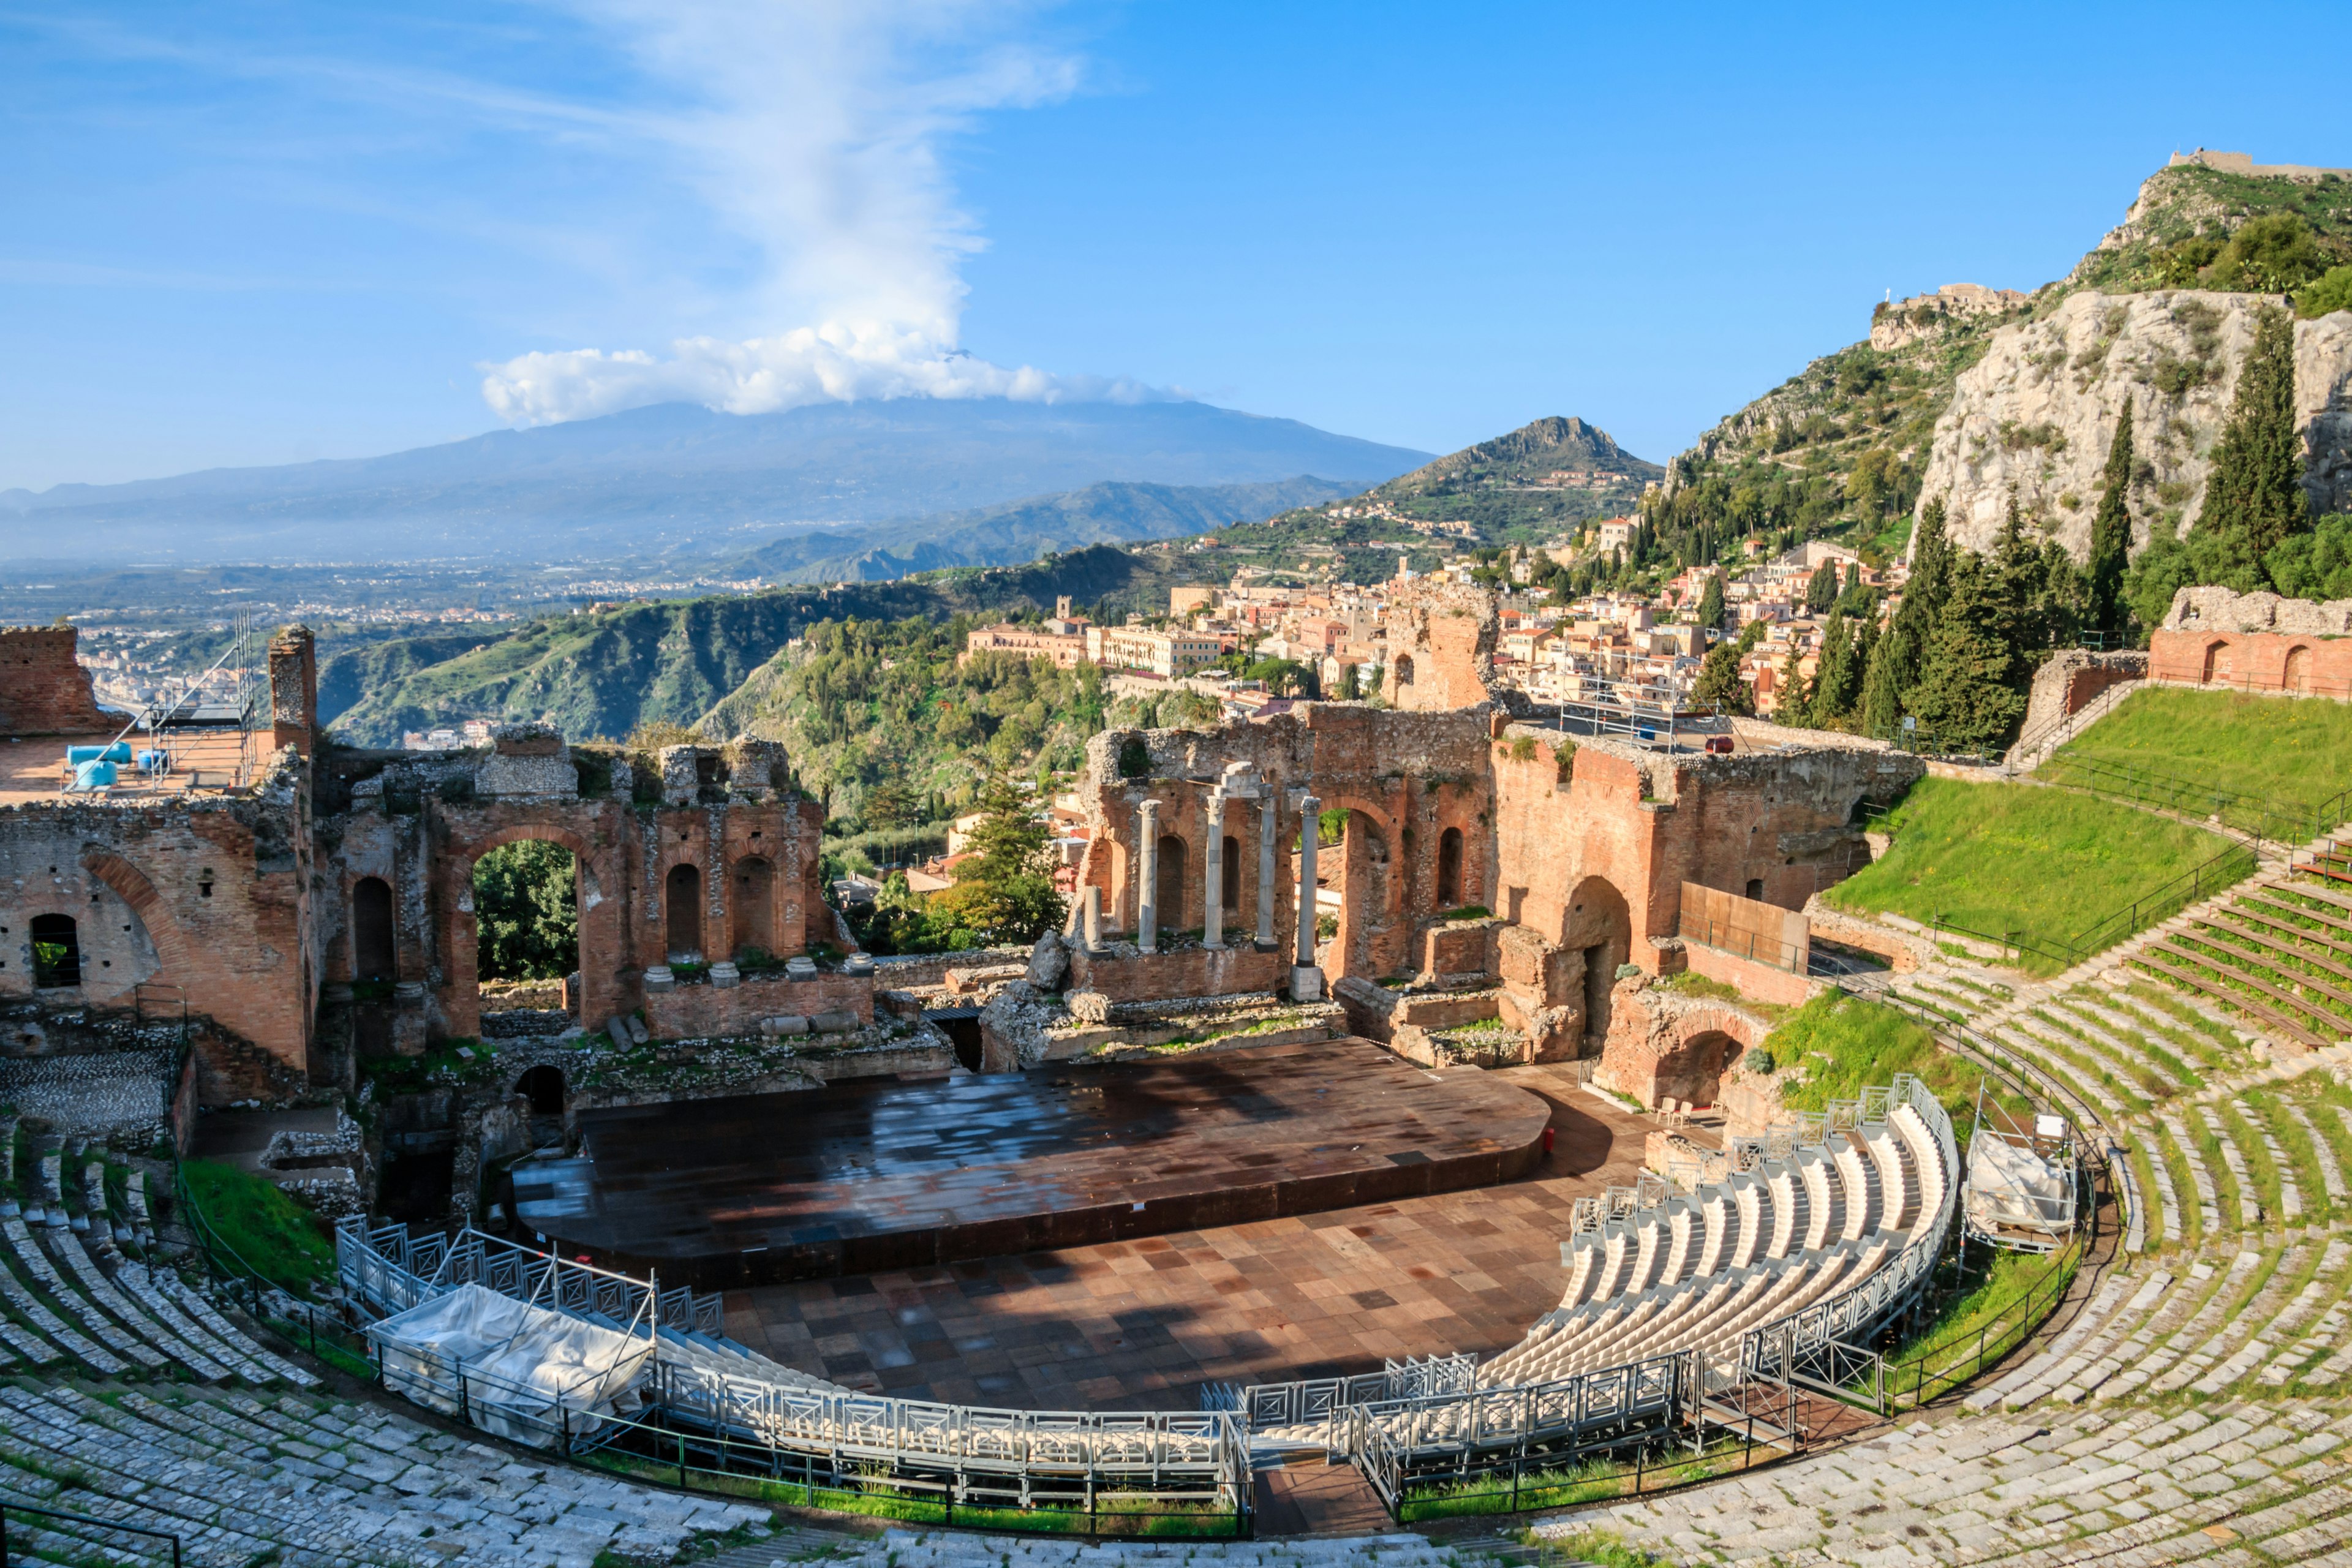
(44, 690)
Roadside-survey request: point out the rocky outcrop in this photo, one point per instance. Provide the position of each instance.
(2220, 610)
(2033, 420)
(1907, 321)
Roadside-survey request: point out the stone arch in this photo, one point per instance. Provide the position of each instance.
(376, 949)
(1693, 1071)
(1597, 924)
(2217, 661)
(2298, 674)
(175, 959)
(1372, 939)
(544, 1087)
(682, 910)
(1684, 1052)
(56, 945)
(1171, 856)
(751, 905)
(455, 933)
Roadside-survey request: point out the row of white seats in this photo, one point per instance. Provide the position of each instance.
(1699, 1270)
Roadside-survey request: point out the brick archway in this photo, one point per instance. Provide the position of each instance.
(1663, 1047)
(603, 941)
(1373, 939)
(175, 957)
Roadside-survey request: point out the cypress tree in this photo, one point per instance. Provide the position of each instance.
(1710, 601)
(1794, 704)
(2255, 498)
(1964, 697)
(1894, 662)
(2111, 532)
(1837, 682)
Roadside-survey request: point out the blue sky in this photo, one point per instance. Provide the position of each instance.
(265, 233)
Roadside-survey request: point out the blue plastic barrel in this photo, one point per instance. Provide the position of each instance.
(92, 773)
(119, 752)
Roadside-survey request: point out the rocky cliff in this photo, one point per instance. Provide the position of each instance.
(2032, 419)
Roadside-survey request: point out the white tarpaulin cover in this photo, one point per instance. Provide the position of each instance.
(2013, 1187)
(520, 1362)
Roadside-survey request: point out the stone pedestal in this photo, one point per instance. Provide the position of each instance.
(1306, 982)
(725, 976)
(799, 967)
(660, 979)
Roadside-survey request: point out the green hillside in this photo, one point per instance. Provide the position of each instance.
(674, 661)
(1838, 450)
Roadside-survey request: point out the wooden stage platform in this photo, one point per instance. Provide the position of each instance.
(872, 1175)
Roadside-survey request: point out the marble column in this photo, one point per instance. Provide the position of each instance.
(1090, 922)
(1309, 811)
(1267, 812)
(1147, 878)
(1213, 875)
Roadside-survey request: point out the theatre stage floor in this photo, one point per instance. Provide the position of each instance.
(1141, 1324)
(868, 1176)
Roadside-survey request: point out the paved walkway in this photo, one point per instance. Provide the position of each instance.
(1142, 1324)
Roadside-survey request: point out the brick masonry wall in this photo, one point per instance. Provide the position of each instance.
(44, 690)
(1192, 971)
(704, 1011)
(2258, 662)
(1757, 981)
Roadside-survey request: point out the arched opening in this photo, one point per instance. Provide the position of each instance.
(752, 908)
(2298, 668)
(1600, 928)
(1230, 882)
(682, 913)
(1169, 900)
(1367, 938)
(543, 1086)
(1405, 669)
(1449, 868)
(527, 935)
(373, 956)
(2217, 662)
(57, 952)
(1756, 889)
(1693, 1071)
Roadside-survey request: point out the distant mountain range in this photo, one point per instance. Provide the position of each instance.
(1115, 512)
(924, 481)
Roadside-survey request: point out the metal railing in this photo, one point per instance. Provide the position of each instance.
(392, 1271)
(109, 1554)
(2063, 728)
(2228, 868)
(829, 1437)
(2280, 822)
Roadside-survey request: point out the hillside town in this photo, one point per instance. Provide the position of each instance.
(1622, 651)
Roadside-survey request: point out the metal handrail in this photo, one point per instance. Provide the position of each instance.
(5, 1506)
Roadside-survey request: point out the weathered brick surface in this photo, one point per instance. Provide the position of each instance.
(1189, 972)
(1757, 981)
(1441, 647)
(2258, 661)
(1665, 1046)
(703, 1011)
(44, 690)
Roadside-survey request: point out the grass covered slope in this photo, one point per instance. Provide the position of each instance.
(2001, 858)
(263, 1227)
(1836, 1046)
(2289, 753)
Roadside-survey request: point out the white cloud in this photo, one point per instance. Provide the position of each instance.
(816, 128)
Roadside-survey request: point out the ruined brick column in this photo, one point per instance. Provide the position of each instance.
(1305, 979)
(1265, 836)
(293, 690)
(1147, 878)
(1212, 923)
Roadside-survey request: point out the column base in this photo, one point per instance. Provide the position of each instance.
(1306, 982)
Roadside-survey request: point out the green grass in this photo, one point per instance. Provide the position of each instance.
(1990, 1309)
(1998, 858)
(265, 1228)
(1835, 1045)
(2296, 754)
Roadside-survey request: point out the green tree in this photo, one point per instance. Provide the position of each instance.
(1004, 891)
(1351, 686)
(2111, 533)
(2255, 498)
(1710, 601)
(1719, 685)
(2316, 565)
(1822, 589)
(1794, 703)
(2333, 292)
(1967, 692)
(525, 912)
(1837, 681)
(2269, 255)
(1875, 483)
(1896, 660)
